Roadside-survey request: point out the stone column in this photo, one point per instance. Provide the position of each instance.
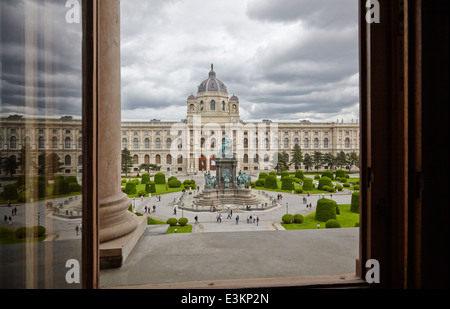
(118, 227)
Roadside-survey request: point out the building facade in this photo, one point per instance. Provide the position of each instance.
(187, 146)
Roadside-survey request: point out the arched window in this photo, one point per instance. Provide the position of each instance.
(169, 159)
(266, 158)
(67, 143)
(246, 158)
(201, 106)
(256, 159)
(296, 141)
(286, 143)
(135, 159)
(80, 143)
(256, 143)
(234, 108)
(266, 144)
(168, 143)
(80, 160)
(180, 159)
(245, 143)
(147, 143)
(27, 141)
(158, 159)
(306, 143)
(192, 108)
(213, 105)
(325, 143)
(213, 144)
(67, 161)
(287, 158)
(41, 142)
(347, 143)
(223, 105)
(135, 143)
(158, 143)
(54, 142)
(13, 142)
(316, 143)
(147, 159)
(124, 143)
(180, 143)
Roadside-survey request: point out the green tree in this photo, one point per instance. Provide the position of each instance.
(10, 165)
(127, 161)
(353, 160)
(308, 162)
(318, 159)
(53, 164)
(297, 156)
(282, 163)
(341, 159)
(329, 160)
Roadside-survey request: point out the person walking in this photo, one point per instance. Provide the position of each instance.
(196, 219)
(175, 209)
(257, 221)
(237, 219)
(77, 228)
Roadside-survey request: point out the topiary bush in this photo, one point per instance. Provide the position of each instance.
(174, 183)
(339, 187)
(356, 187)
(331, 190)
(324, 181)
(145, 178)
(22, 232)
(307, 184)
(10, 192)
(354, 207)
(271, 182)
(332, 224)
(160, 178)
(260, 182)
(328, 174)
(263, 175)
(130, 188)
(325, 210)
(172, 221)
(298, 218)
(346, 185)
(299, 174)
(316, 177)
(74, 187)
(182, 221)
(284, 174)
(61, 187)
(287, 218)
(38, 231)
(150, 187)
(340, 173)
(299, 190)
(287, 183)
(142, 193)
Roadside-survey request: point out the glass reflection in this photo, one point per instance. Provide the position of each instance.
(40, 148)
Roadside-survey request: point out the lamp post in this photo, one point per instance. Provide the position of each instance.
(182, 210)
(38, 217)
(287, 208)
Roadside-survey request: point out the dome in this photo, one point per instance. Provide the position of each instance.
(234, 98)
(191, 97)
(212, 84)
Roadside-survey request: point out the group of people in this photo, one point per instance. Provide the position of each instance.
(8, 219)
(279, 197)
(149, 210)
(252, 219)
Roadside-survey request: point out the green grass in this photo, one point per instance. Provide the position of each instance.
(8, 236)
(346, 219)
(180, 229)
(296, 186)
(160, 189)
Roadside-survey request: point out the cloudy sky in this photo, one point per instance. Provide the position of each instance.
(284, 59)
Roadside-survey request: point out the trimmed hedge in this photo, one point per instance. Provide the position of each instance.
(73, 187)
(260, 182)
(174, 183)
(61, 187)
(324, 181)
(284, 174)
(328, 174)
(130, 188)
(26, 232)
(325, 210)
(287, 183)
(271, 182)
(341, 173)
(263, 175)
(71, 179)
(355, 202)
(298, 218)
(160, 178)
(182, 221)
(145, 178)
(287, 218)
(172, 221)
(10, 192)
(150, 187)
(307, 184)
(332, 224)
(299, 174)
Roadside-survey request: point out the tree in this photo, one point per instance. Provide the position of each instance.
(297, 156)
(318, 159)
(353, 160)
(10, 165)
(308, 162)
(53, 164)
(282, 163)
(127, 161)
(341, 159)
(329, 160)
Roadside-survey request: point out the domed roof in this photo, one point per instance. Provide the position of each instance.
(212, 84)
(234, 98)
(191, 97)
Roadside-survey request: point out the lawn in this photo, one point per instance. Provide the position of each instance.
(8, 236)
(346, 219)
(296, 186)
(180, 229)
(160, 189)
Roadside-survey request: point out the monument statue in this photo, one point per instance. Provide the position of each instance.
(243, 179)
(226, 150)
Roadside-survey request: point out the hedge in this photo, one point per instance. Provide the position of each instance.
(174, 183)
(287, 218)
(130, 188)
(340, 173)
(25, 232)
(299, 174)
(10, 192)
(328, 174)
(263, 175)
(182, 221)
(271, 182)
(332, 224)
(260, 182)
(324, 181)
(145, 178)
(355, 202)
(284, 174)
(172, 221)
(61, 187)
(150, 187)
(160, 178)
(325, 210)
(287, 183)
(298, 218)
(307, 184)
(73, 187)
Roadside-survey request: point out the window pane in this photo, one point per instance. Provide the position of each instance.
(40, 118)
